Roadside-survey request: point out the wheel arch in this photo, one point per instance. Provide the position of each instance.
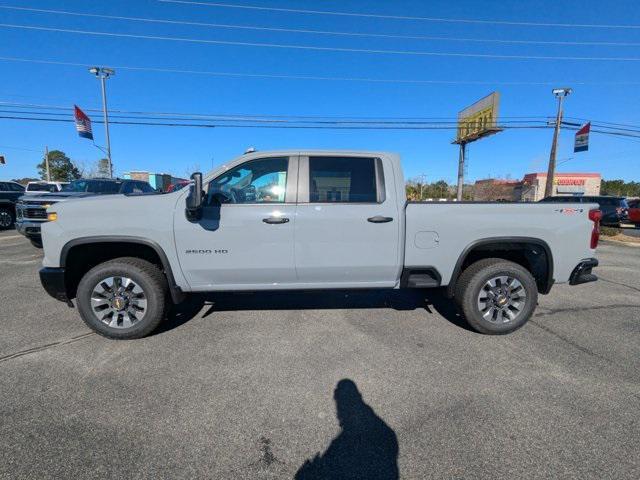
(532, 253)
(97, 249)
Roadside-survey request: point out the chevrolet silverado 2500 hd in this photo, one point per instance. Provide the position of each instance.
(308, 220)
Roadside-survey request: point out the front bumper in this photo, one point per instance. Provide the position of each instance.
(53, 281)
(582, 272)
(29, 228)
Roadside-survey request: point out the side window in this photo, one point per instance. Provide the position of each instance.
(3, 187)
(128, 187)
(342, 180)
(258, 181)
(16, 187)
(144, 187)
(136, 187)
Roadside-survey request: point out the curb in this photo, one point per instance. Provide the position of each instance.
(619, 242)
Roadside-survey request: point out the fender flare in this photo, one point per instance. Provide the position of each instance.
(177, 295)
(457, 270)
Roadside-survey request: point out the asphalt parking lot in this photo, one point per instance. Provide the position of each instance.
(323, 385)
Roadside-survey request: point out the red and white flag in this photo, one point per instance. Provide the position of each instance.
(83, 123)
(582, 138)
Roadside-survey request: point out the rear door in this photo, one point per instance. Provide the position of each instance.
(245, 242)
(347, 230)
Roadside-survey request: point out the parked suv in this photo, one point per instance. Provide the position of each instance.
(615, 210)
(9, 193)
(31, 210)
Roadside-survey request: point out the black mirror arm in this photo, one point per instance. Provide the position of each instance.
(194, 201)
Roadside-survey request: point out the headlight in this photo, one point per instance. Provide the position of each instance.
(52, 216)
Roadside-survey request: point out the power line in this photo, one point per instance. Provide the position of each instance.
(306, 127)
(603, 122)
(269, 119)
(320, 32)
(265, 118)
(313, 77)
(202, 115)
(318, 48)
(400, 17)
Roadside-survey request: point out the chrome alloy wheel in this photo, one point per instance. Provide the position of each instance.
(501, 299)
(5, 219)
(118, 302)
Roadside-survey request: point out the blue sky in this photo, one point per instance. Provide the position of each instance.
(176, 150)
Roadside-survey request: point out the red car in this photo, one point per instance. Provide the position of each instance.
(634, 211)
(174, 187)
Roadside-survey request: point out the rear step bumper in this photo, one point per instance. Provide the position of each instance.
(582, 272)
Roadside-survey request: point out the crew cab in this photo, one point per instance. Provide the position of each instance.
(31, 210)
(308, 220)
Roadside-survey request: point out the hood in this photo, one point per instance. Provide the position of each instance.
(56, 197)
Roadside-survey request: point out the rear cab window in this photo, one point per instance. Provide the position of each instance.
(345, 180)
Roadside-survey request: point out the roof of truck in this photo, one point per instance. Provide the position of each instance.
(302, 151)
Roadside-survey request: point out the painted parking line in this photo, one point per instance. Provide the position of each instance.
(10, 237)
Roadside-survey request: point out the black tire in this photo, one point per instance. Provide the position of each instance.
(7, 218)
(146, 275)
(36, 242)
(473, 280)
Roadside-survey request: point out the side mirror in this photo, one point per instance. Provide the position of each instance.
(193, 209)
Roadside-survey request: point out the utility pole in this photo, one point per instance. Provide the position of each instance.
(46, 163)
(463, 148)
(423, 179)
(103, 73)
(560, 93)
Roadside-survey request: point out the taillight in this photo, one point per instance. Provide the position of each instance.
(595, 216)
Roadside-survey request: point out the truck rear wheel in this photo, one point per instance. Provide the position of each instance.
(123, 298)
(496, 296)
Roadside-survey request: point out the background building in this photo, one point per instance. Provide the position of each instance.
(159, 181)
(531, 187)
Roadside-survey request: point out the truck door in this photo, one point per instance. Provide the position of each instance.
(347, 230)
(245, 237)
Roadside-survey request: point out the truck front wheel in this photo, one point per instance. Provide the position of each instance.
(496, 296)
(6, 218)
(123, 298)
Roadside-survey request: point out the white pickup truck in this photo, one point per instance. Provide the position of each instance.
(308, 220)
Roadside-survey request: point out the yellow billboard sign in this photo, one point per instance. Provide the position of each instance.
(479, 120)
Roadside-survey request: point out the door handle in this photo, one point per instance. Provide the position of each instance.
(379, 219)
(275, 220)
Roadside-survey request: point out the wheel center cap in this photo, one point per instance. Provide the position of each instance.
(501, 300)
(119, 303)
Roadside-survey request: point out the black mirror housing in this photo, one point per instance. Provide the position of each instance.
(193, 207)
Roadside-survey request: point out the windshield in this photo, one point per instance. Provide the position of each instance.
(93, 186)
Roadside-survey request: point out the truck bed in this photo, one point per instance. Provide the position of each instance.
(437, 233)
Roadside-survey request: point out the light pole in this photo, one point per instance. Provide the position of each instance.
(560, 93)
(103, 73)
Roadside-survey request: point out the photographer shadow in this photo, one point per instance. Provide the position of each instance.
(365, 448)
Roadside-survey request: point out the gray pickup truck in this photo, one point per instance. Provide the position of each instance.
(289, 220)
